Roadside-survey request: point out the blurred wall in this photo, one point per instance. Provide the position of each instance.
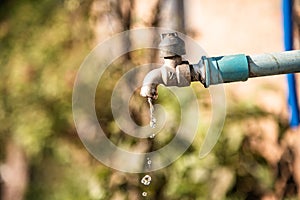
(241, 26)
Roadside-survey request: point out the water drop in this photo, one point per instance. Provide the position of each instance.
(152, 118)
(146, 180)
(144, 194)
(153, 122)
(152, 136)
(149, 162)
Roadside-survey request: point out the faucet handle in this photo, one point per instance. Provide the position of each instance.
(149, 90)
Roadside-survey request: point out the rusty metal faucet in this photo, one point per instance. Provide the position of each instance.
(174, 72)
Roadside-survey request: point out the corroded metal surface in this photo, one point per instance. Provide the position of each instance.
(274, 63)
(171, 45)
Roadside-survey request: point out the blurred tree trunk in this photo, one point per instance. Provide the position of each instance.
(1, 186)
(287, 182)
(14, 173)
(172, 15)
(110, 17)
(114, 16)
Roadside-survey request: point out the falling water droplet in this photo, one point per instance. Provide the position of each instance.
(144, 194)
(152, 118)
(146, 180)
(149, 162)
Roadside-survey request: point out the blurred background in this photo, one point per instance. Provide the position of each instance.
(42, 45)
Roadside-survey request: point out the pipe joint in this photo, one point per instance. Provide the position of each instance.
(225, 69)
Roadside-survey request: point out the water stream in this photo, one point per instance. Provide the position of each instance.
(146, 180)
(152, 118)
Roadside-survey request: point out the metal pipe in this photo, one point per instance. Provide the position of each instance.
(274, 63)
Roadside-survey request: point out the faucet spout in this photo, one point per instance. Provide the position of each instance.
(150, 83)
(176, 75)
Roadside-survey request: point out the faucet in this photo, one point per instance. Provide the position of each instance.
(174, 71)
(213, 70)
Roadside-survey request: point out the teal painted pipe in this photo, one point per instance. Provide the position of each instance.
(225, 69)
(240, 67)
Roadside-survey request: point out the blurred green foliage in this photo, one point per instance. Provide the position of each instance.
(42, 45)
